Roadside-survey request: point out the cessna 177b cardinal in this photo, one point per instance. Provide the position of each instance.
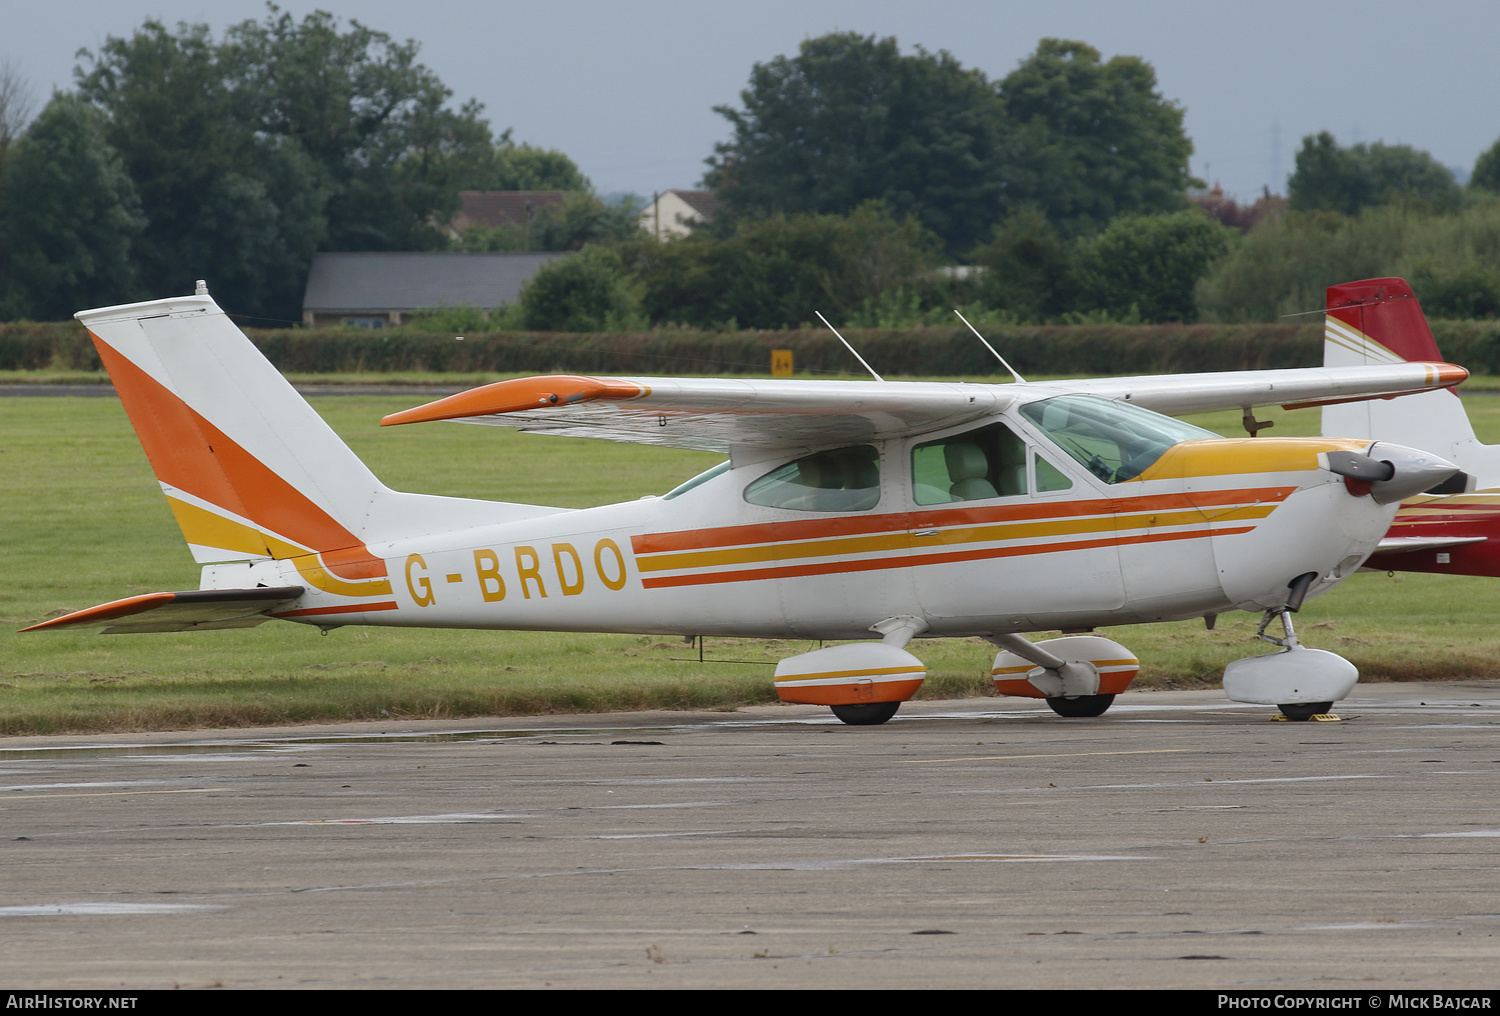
(845, 510)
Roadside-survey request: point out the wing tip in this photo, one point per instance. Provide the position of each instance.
(518, 395)
(110, 611)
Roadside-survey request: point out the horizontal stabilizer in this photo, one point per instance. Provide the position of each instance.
(1404, 544)
(193, 610)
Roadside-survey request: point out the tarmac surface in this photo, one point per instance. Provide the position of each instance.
(1178, 841)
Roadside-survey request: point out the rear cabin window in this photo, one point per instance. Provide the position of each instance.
(984, 463)
(842, 480)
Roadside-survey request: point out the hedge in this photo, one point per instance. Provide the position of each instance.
(1085, 350)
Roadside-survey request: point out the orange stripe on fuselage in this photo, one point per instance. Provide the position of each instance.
(347, 608)
(1009, 531)
(191, 454)
(852, 525)
(881, 564)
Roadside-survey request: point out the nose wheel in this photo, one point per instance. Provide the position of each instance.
(1301, 682)
(1303, 711)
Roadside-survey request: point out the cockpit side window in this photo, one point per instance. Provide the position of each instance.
(842, 480)
(1114, 441)
(1048, 477)
(978, 464)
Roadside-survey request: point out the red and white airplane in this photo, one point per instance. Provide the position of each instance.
(844, 510)
(1454, 528)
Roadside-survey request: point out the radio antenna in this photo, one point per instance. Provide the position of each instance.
(1019, 379)
(851, 349)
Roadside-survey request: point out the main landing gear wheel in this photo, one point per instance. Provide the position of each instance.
(1304, 710)
(1081, 705)
(866, 714)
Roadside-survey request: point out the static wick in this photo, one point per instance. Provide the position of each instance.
(1019, 379)
(851, 349)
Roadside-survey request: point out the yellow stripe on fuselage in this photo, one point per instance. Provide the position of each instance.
(887, 542)
(1229, 456)
(310, 567)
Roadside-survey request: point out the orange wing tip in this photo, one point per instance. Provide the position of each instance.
(518, 395)
(1444, 375)
(1450, 374)
(111, 611)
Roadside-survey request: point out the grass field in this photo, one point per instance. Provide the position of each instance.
(84, 522)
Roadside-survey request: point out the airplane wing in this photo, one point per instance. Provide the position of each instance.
(715, 414)
(194, 610)
(1178, 394)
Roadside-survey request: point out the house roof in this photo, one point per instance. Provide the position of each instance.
(504, 208)
(701, 201)
(380, 282)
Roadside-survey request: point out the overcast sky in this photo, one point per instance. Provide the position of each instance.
(627, 88)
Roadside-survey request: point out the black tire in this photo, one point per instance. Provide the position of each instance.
(866, 714)
(1081, 705)
(1300, 711)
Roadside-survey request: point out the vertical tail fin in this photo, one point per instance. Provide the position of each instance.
(250, 470)
(1381, 321)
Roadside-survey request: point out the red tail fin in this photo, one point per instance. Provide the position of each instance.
(1386, 311)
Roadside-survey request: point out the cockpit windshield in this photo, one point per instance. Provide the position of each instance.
(1112, 440)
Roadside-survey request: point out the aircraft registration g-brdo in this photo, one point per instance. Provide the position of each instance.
(845, 510)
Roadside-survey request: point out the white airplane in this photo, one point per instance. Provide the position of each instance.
(845, 510)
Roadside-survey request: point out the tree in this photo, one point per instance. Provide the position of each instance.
(587, 292)
(1028, 268)
(1095, 140)
(775, 272)
(524, 167)
(68, 216)
(1330, 177)
(1148, 265)
(15, 105)
(1486, 175)
(222, 204)
(850, 119)
(374, 121)
(583, 219)
(251, 153)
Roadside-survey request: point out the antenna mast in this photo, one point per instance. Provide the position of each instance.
(851, 349)
(1019, 379)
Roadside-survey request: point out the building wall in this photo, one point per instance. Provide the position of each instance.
(668, 216)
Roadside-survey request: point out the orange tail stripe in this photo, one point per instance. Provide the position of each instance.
(191, 454)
